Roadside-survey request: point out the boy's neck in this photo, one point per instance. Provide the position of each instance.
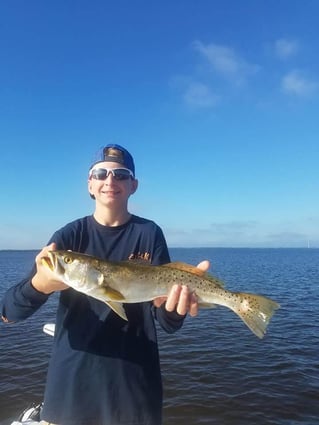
(112, 219)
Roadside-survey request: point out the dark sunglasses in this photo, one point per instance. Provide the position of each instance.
(117, 173)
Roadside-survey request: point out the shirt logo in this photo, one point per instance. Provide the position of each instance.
(146, 256)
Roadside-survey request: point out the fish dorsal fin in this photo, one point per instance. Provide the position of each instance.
(194, 270)
(186, 268)
(137, 261)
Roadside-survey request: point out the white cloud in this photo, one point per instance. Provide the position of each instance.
(233, 233)
(285, 49)
(225, 61)
(199, 95)
(198, 89)
(295, 83)
(244, 236)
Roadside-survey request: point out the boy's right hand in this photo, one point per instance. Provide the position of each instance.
(44, 281)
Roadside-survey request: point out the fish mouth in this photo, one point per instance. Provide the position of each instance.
(49, 261)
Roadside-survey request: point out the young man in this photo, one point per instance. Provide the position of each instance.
(104, 370)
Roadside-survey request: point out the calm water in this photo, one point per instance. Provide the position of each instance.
(215, 370)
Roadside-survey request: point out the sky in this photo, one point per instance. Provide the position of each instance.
(217, 100)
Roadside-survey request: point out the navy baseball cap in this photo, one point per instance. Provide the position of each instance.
(116, 153)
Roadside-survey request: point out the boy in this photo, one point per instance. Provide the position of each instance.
(104, 370)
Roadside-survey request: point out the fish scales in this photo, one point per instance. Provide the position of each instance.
(128, 279)
(121, 282)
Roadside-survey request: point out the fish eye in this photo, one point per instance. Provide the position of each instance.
(68, 260)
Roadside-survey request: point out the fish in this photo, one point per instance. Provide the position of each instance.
(134, 281)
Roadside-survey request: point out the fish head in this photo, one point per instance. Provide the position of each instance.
(80, 271)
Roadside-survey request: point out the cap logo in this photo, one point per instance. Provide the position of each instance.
(117, 154)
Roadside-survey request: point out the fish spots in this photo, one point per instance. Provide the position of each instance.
(245, 306)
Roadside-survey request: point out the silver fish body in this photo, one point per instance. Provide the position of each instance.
(116, 283)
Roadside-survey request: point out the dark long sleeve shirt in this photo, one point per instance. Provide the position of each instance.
(103, 370)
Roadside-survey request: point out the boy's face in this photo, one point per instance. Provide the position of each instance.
(110, 191)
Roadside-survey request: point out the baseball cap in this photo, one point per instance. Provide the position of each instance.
(116, 153)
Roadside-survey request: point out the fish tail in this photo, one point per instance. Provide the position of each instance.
(256, 311)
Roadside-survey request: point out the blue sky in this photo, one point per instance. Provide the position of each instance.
(217, 100)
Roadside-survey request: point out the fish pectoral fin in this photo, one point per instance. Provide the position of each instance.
(118, 309)
(113, 294)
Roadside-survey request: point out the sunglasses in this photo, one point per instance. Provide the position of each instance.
(117, 173)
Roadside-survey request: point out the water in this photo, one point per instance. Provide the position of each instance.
(215, 371)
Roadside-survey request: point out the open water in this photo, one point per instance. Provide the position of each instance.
(215, 371)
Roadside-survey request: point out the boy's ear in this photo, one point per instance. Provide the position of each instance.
(89, 188)
(134, 186)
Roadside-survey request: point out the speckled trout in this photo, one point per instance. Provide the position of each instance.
(132, 281)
